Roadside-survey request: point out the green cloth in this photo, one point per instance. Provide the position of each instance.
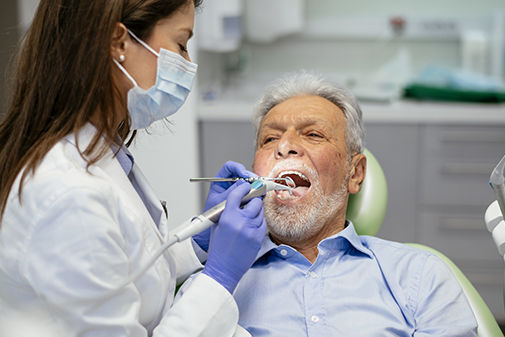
(434, 93)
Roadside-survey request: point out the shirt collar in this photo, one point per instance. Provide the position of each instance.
(125, 158)
(333, 242)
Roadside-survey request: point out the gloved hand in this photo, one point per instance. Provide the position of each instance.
(236, 239)
(218, 192)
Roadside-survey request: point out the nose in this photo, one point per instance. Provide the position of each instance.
(289, 145)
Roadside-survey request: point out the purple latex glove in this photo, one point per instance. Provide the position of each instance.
(218, 192)
(236, 239)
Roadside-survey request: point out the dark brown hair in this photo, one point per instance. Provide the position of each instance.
(63, 76)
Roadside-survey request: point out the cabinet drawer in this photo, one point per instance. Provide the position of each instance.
(456, 163)
(461, 235)
(465, 240)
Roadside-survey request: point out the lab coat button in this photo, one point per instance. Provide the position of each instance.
(315, 319)
(313, 274)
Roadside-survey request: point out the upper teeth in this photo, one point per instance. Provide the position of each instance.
(285, 173)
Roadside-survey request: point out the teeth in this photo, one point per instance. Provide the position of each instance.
(285, 196)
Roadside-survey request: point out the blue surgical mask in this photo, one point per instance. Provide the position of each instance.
(174, 78)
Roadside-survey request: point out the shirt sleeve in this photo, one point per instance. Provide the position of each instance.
(217, 315)
(442, 308)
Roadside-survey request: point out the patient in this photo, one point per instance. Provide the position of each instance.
(314, 276)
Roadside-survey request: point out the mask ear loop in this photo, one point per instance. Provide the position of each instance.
(125, 72)
(148, 47)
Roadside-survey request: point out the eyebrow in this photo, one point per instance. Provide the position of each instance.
(304, 124)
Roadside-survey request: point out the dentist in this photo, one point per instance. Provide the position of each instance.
(77, 215)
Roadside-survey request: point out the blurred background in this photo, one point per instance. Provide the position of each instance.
(429, 76)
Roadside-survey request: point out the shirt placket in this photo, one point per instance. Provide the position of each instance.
(315, 315)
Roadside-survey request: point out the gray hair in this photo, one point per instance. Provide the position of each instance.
(306, 83)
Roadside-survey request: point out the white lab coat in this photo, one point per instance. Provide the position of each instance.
(77, 235)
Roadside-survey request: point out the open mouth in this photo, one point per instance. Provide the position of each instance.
(301, 184)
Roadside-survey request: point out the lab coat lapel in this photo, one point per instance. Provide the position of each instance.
(152, 201)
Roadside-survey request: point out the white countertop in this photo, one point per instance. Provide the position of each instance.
(396, 112)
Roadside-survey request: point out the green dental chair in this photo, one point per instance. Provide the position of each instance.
(367, 210)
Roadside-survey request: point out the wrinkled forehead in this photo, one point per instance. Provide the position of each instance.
(301, 111)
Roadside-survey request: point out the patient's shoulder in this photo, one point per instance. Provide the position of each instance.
(399, 256)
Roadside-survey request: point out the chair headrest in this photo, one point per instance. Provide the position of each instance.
(367, 208)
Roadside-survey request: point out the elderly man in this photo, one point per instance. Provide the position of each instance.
(314, 276)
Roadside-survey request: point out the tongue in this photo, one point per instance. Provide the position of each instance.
(300, 191)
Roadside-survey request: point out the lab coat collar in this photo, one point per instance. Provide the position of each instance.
(333, 242)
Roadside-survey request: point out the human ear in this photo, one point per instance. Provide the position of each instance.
(119, 42)
(357, 172)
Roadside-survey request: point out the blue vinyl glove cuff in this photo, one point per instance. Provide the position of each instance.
(236, 239)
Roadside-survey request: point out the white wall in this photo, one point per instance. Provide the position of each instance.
(322, 48)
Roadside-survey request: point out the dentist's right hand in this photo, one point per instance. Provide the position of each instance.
(236, 239)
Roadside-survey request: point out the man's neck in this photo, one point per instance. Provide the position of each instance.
(308, 247)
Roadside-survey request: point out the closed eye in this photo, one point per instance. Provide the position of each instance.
(183, 48)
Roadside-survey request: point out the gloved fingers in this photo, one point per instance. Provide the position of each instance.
(234, 198)
(259, 219)
(253, 208)
(263, 225)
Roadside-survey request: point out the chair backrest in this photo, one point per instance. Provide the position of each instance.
(367, 209)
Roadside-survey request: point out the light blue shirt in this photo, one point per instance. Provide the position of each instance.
(358, 286)
(126, 160)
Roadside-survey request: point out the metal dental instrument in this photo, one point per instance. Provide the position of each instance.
(289, 182)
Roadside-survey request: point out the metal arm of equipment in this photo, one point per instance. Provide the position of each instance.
(197, 224)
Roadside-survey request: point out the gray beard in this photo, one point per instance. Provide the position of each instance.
(303, 221)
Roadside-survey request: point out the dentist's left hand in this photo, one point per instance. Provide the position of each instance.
(218, 192)
(236, 239)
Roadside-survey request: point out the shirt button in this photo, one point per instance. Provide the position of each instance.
(284, 252)
(315, 319)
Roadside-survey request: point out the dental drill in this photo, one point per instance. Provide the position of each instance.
(495, 212)
(197, 224)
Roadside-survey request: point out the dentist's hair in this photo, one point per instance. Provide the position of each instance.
(306, 83)
(63, 76)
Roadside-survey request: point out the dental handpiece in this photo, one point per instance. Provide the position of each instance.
(497, 182)
(289, 182)
(201, 222)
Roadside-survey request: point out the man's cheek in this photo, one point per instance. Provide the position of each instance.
(259, 165)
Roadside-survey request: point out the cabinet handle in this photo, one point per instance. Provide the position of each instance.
(458, 224)
(466, 168)
(481, 137)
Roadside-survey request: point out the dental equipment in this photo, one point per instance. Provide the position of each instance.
(201, 222)
(289, 182)
(497, 182)
(495, 212)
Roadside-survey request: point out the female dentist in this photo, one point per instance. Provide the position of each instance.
(78, 217)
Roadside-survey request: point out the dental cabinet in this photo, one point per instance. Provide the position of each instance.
(437, 158)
